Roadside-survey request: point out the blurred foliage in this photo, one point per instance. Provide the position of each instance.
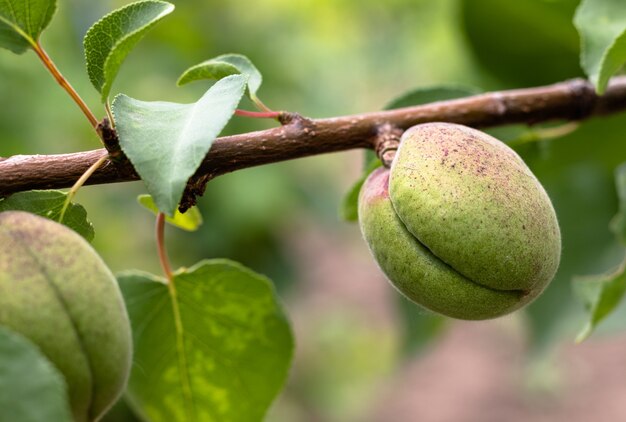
(325, 58)
(523, 43)
(579, 180)
(342, 360)
(603, 293)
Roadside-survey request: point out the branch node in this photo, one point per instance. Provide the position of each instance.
(111, 141)
(289, 118)
(585, 98)
(386, 142)
(194, 189)
(117, 158)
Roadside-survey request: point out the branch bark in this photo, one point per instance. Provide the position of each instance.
(301, 137)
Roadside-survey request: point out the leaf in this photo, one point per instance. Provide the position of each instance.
(49, 203)
(618, 223)
(189, 221)
(166, 142)
(33, 390)
(222, 66)
(602, 294)
(111, 39)
(23, 21)
(602, 28)
(235, 350)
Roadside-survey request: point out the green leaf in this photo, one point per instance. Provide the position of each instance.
(49, 203)
(222, 355)
(602, 28)
(618, 223)
(189, 221)
(33, 390)
(111, 39)
(166, 142)
(602, 294)
(222, 66)
(23, 21)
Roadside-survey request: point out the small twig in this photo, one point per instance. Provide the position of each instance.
(49, 64)
(79, 184)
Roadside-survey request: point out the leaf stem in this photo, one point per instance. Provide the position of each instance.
(79, 183)
(49, 64)
(107, 106)
(259, 114)
(260, 105)
(178, 322)
(163, 259)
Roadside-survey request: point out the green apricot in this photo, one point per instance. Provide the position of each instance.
(459, 224)
(56, 291)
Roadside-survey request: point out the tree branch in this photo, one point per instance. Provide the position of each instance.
(301, 137)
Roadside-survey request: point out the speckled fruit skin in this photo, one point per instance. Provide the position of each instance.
(459, 224)
(56, 291)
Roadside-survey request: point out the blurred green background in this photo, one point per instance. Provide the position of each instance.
(362, 353)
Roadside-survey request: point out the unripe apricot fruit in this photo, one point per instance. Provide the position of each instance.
(459, 224)
(56, 291)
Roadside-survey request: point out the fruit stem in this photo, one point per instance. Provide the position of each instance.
(79, 183)
(49, 64)
(386, 143)
(163, 259)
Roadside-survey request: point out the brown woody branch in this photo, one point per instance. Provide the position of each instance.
(301, 137)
